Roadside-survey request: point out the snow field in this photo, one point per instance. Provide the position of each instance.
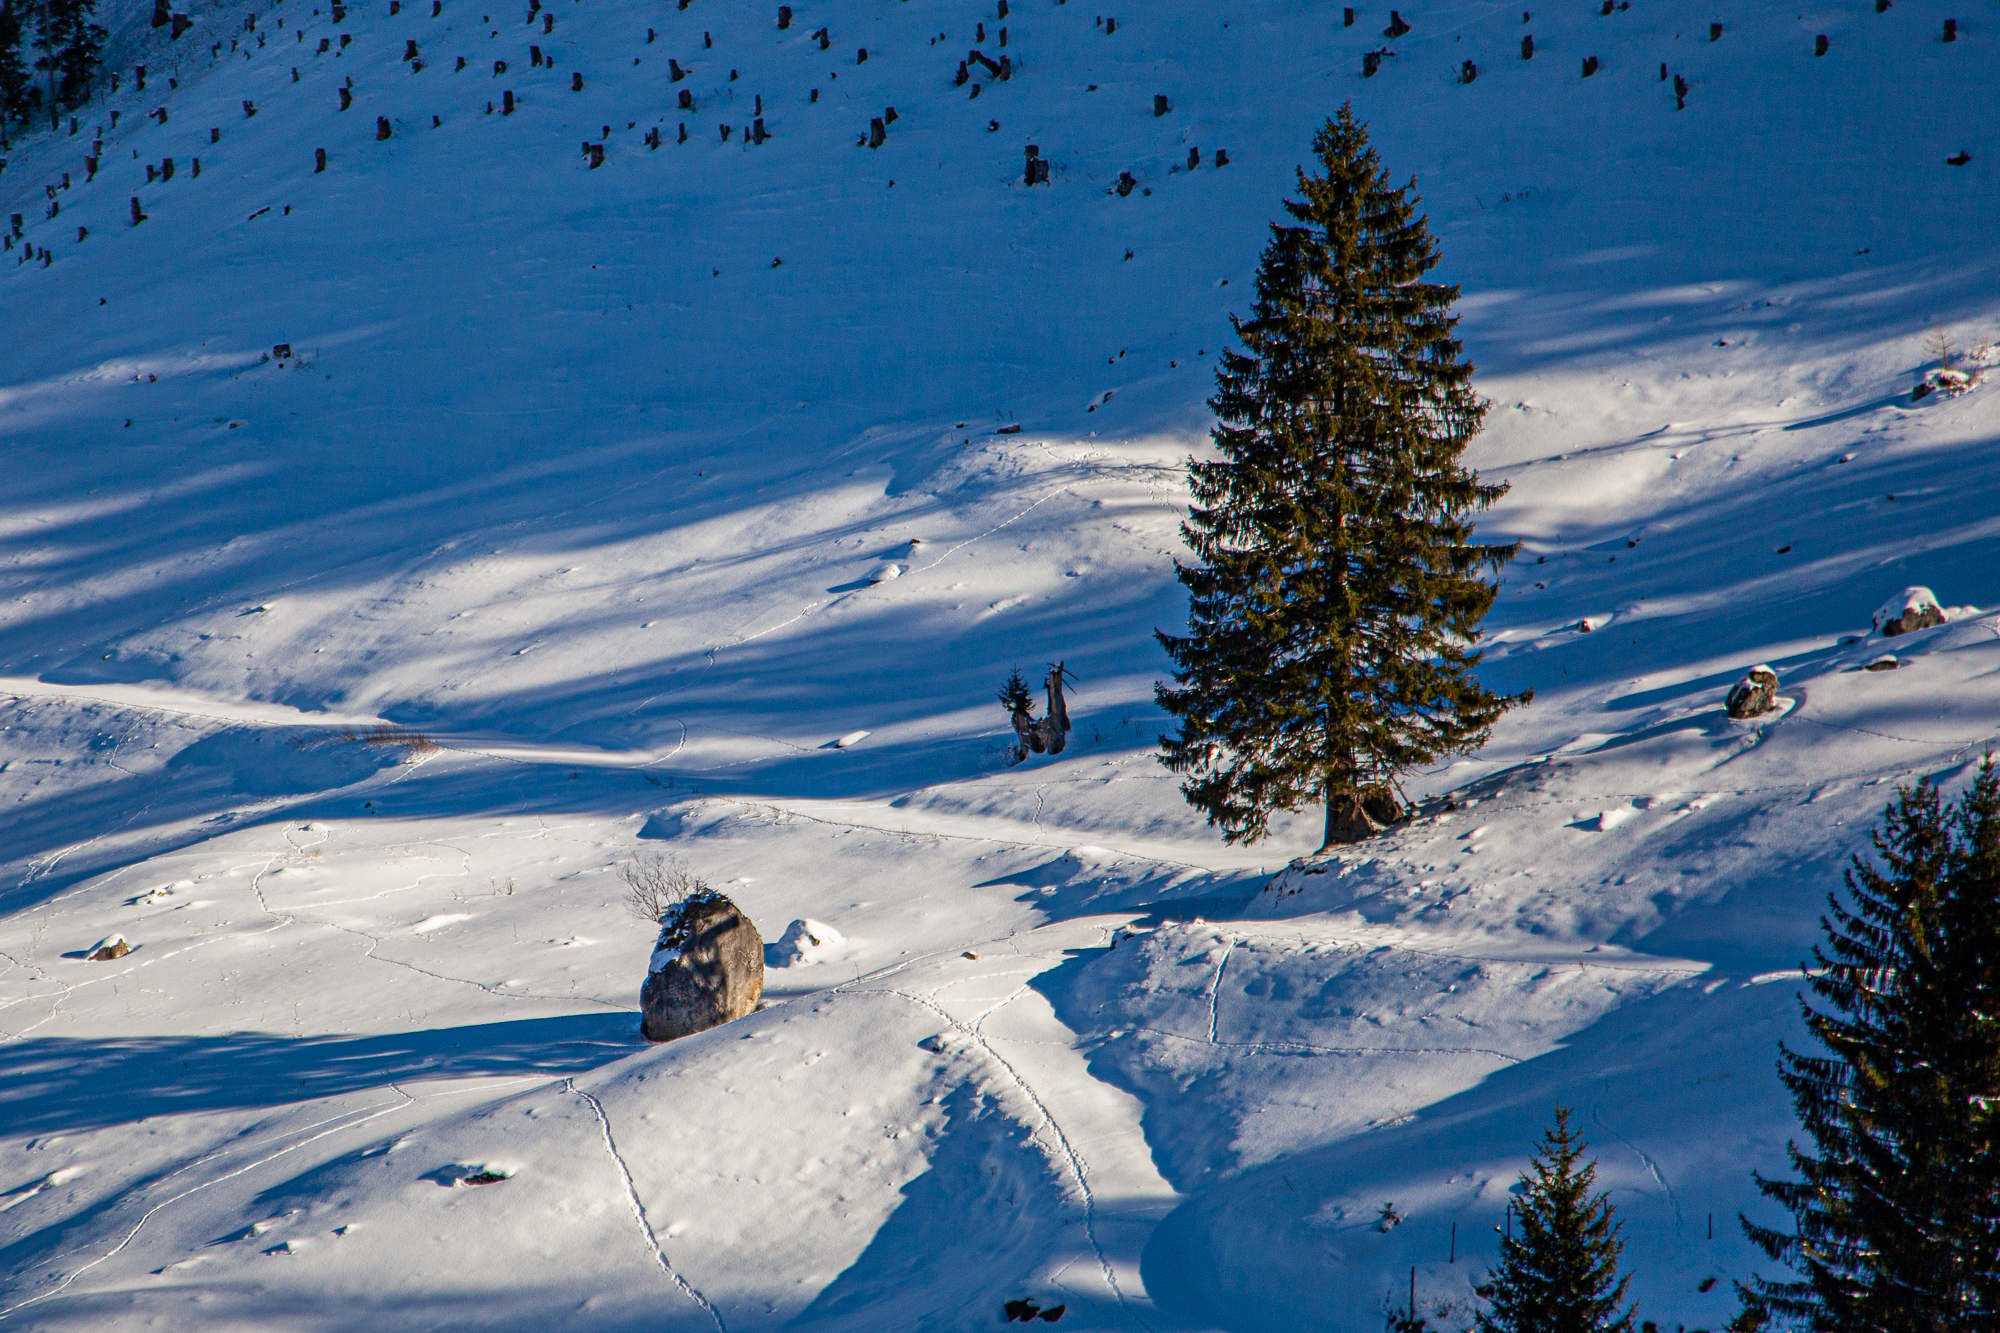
(566, 473)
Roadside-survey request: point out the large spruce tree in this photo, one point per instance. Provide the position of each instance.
(72, 47)
(1896, 1214)
(1560, 1274)
(1338, 594)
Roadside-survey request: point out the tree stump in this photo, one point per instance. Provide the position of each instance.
(878, 133)
(1820, 45)
(1467, 72)
(784, 17)
(167, 169)
(1194, 158)
(507, 104)
(687, 100)
(1715, 32)
(319, 160)
(757, 132)
(674, 71)
(1126, 184)
(576, 81)
(1589, 66)
(409, 48)
(346, 99)
(1528, 47)
(381, 128)
(1347, 18)
(138, 216)
(1397, 27)
(1951, 30)
(1160, 104)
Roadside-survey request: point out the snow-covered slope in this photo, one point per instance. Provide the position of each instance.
(586, 472)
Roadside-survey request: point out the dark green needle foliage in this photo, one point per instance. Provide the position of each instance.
(1896, 1211)
(18, 95)
(1559, 1272)
(1338, 592)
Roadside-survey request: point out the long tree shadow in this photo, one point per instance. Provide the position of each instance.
(67, 1084)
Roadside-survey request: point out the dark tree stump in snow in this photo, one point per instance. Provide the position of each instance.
(499, 68)
(878, 133)
(548, 24)
(138, 216)
(1371, 64)
(757, 131)
(1397, 27)
(1951, 30)
(1467, 72)
(964, 76)
(535, 57)
(861, 55)
(576, 81)
(167, 169)
(249, 108)
(1126, 184)
(1589, 66)
(346, 99)
(1715, 32)
(181, 24)
(784, 17)
(1110, 26)
(707, 969)
(382, 130)
(319, 160)
(1160, 104)
(684, 133)
(824, 39)
(1194, 158)
(409, 48)
(889, 116)
(507, 104)
(1820, 45)
(1002, 11)
(687, 100)
(1222, 157)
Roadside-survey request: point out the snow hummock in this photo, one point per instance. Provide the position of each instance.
(803, 942)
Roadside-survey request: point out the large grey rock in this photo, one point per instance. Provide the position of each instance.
(707, 968)
(1754, 695)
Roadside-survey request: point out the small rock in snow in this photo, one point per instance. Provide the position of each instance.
(884, 572)
(851, 738)
(1886, 662)
(1912, 609)
(1755, 694)
(108, 948)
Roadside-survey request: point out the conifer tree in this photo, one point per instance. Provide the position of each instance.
(18, 94)
(1896, 1214)
(71, 47)
(1337, 600)
(1560, 1274)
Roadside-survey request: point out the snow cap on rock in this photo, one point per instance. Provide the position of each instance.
(1913, 608)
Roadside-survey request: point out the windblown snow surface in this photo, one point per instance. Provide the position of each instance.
(585, 472)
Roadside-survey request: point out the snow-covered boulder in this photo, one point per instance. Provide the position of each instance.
(108, 948)
(707, 968)
(803, 942)
(1911, 609)
(1754, 695)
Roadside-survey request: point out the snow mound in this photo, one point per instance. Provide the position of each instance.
(803, 942)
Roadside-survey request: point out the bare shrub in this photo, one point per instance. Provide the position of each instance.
(656, 885)
(1940, 348)
(410, 741)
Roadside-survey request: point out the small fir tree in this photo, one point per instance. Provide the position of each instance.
(1896, 1214)
(18, 94)
(1016, 697)
(1559, 1274)
(1337, 597)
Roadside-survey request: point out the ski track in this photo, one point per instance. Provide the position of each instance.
(1079, 1170)
(638, 1208)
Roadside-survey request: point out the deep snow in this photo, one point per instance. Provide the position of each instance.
(586, 473)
